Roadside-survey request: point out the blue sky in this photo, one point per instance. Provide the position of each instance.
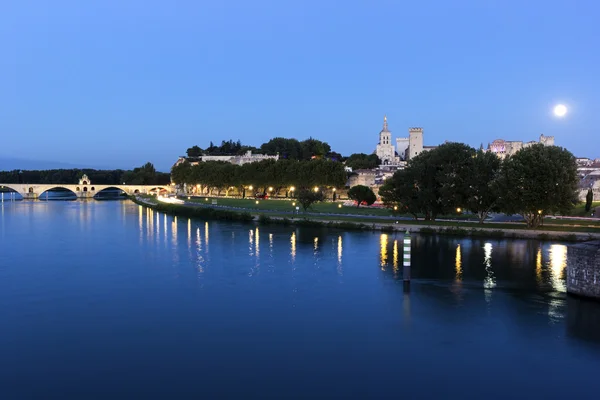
(119, 83)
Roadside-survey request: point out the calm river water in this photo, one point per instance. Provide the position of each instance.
(106, 299)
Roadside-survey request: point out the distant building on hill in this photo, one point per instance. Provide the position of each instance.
(246, 158)
(503, 148)
(404, 149)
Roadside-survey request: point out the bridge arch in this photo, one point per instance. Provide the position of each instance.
(11, 189)
(104, 188)
(41, 194)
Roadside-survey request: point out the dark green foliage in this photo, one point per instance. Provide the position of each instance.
(482, 190)
(145, 175)
(538, 181)
(362, 161)
(308, 197)
(434, 183)
(361, 193)
(589, 199)
(261, 175)
(194, 152)
(292, 149)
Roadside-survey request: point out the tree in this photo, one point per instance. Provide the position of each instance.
(363, 161)
(308, 197)
(483, 193)
(537, 181)
(286, 148)
(589, 199)
(313, 148)
(361, 193)
(433, 183)
(194, 152)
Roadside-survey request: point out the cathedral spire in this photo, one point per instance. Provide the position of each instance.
(385, 126)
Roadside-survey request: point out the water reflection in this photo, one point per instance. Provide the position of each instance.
(383, 241)
(250, 242)
(458, 263)
(189, 232)
(558, 265)
(339, 255)
(206, 235)
(538, 265)
(583, 319)
(489, 282)
(199, 256)
(141, 221)
(257, 242)
(293, 246)
(395, 258)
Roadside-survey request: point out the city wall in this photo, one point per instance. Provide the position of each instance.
(583, 269)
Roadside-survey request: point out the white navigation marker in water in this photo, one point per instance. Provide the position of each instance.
(406, 256)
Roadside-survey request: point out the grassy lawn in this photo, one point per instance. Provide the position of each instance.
(288, 205)
(579, 210)
(571, 222)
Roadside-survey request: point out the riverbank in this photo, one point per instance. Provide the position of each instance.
(561, 233)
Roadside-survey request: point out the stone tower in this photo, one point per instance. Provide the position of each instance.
(385, 149)
(385, 136)
(547, 140)
(415, 142)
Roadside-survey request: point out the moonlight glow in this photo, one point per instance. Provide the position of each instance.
(560, 110)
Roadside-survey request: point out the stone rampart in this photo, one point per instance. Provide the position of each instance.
(583, 269)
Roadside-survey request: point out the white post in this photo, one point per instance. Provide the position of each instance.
(406, 256)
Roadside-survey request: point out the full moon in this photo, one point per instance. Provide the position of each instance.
(560, 110)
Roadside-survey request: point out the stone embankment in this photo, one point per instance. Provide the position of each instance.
(583, 269)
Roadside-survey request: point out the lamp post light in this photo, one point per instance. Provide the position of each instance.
(316, 189)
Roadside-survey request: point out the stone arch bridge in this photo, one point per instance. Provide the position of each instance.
(83, 190)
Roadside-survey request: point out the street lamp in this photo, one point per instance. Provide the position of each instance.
(316, 189)
(270, 188)
(458, 210)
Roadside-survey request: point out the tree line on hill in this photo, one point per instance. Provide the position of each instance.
(288, 149)
(535, 182)
(145, 175)
(279, 175)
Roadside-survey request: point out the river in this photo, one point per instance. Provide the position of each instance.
(107, 299)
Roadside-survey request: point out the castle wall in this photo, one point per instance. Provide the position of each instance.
(583, 269)
(415, 137)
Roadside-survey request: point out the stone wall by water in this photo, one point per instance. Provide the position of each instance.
(583, 269)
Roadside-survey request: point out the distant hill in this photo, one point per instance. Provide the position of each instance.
(9, 164)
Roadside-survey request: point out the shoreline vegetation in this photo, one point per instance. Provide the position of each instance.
(361, 223)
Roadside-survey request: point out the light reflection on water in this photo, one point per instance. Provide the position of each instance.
(345, 287)
(383, 240)
(458, 263)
